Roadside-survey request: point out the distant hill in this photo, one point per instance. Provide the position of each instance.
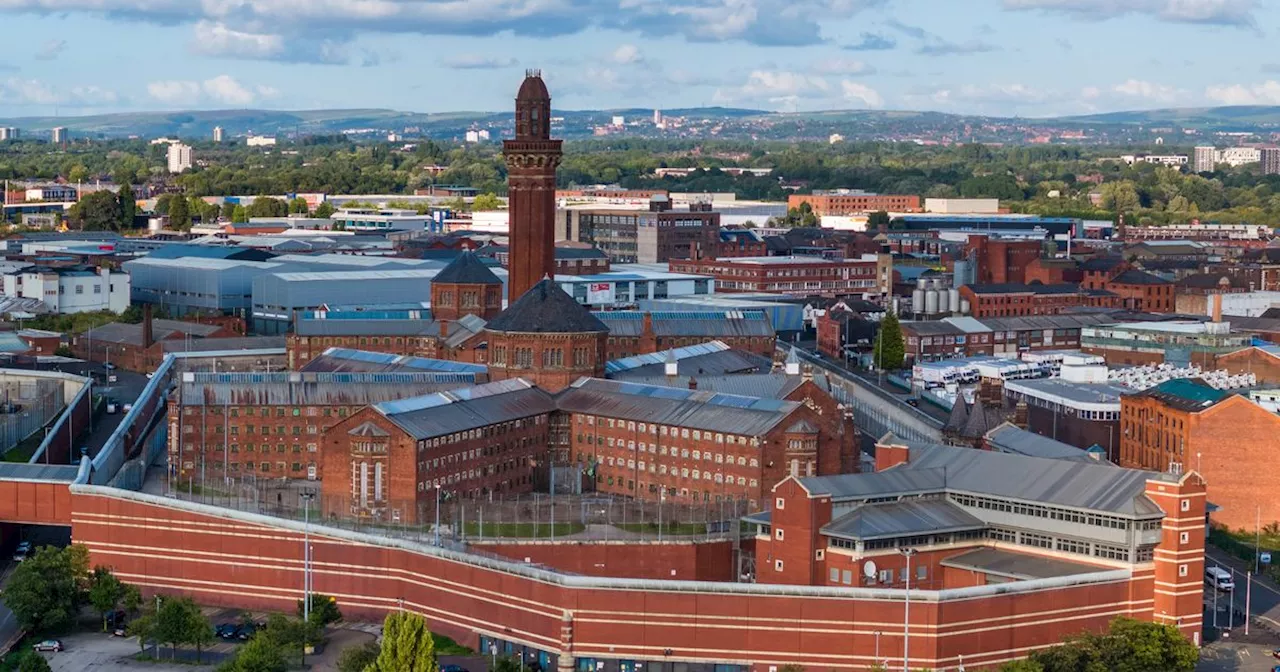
(1129, 126)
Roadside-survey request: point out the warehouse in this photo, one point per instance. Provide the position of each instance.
(277, 296)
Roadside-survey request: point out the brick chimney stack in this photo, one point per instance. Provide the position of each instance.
(148, 330)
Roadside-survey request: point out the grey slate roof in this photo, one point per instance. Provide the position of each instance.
(314, 389)
(345, 360)
(897, 519)
(695, 409)
(763, 385)
(1019, 566)
(1136, 277)
(1009, 438)
(121, 332)
(229, 343)
(467, 269)
(706, 323)
(546, 309)
(468, 408)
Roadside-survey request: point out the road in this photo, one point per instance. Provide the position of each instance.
(1264, 598)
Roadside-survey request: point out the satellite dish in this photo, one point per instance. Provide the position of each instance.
(869, 569)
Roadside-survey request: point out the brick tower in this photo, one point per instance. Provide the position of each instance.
(532, 158)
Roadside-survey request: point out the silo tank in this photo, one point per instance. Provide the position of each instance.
(917, 301)
(931, 302)
(953, 296)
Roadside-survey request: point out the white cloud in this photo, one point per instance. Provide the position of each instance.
(222, 90)
(301, 22)
(1137, 88)
(216, 39)
(1220, 12)
(1090, 92)
(1266, 93)
(861, 93)
(776, 86)
(627, 54)
(842, 66)
(478, 62)
(51, 49)
(18, 92)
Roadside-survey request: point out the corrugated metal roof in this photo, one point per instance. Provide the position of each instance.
(1009, 438)
(695, 409)
(905, 518)
(468, 408)
(713, 358)
(763, 385)
(18, 471)
(1021, 566)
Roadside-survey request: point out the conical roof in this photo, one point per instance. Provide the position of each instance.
(467, 269)
(546, 309)
(959, 416)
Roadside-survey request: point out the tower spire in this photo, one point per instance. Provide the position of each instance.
(532, 158)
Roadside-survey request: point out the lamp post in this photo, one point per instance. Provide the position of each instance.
(437, 514)
(906, 613)
(306, 496)
(877, 658)
(662, 497)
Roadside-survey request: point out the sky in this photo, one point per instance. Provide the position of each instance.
(997, 57)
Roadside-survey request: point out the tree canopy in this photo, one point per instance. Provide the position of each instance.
(407, 645)
(48, 589)
(889, 349)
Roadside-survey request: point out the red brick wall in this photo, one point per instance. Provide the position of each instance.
(679, 560)
(257, 565)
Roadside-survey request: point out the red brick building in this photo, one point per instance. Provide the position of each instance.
(796, 275)
(969, 517)
(1054, 271)
(387, 461)
(1142, 292)
(1016, 300)
(465, 287)
(846, 202)
(571, 258)
(722, 447)
(642, 332)
(410, 333)
(1002, 261)
(547, 338)
(1231, 440)
(532, 158)
(271, 425)
(140, 347)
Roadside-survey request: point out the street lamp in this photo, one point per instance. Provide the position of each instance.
(662, 497)
(437, 514)
(306, 496)
(906, 613)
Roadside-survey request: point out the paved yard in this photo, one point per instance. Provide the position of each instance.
(99, 652)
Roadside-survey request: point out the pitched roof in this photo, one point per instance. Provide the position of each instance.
(705, 323)
(344, 360)
(897, 519)
(763, 385)
(1136, 277)
(546, 309)
(444, 413)
(1188, 394)
(1102, 263)
(1212, 281)
(803, 427)
(710, 358)
(466, 269)
(1020, 288)
(1021, 566)
(314, 389)
(695, 409)
(1009, 438)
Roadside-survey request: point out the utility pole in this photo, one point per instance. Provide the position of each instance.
(906, 613)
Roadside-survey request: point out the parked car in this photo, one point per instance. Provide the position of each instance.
(913, 401)
(452, 668)
(227, 630)
(22, 551)
(247, 630)
(48, 645)
(115, 619)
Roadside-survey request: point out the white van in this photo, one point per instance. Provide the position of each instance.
(1219, 578)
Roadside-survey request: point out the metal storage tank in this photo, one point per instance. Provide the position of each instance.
(917, 301)
(931, 302)
(961, 274)
(964, 306)
(922, 283)
(953, 296)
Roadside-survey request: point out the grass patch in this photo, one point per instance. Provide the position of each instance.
(522, 530)
(24, 450)
(447, 647)
(667, 528)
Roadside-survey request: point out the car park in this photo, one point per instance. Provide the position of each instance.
(48, 645)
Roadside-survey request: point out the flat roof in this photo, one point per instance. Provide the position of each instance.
(1016, 565)
(1087, 396)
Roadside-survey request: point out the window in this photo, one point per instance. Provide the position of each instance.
(1182, 570)
(1183, 538)
(780, 503)
(777, 533)
(1186, 505)
(777, 565)
(835, 575)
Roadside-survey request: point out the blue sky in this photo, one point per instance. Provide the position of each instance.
(1001, 57)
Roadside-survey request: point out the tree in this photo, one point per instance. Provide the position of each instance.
(77, 174)
(877, 220)
(1129, 645)
(324, 610)
(298, 206)
(406, 645)
(228, 210)
(485, 202)
(105, 592)
(357, 658)
(132, 598)
(264, 206)
(323, 211)
(889, 350)
(127, 204)
(180, 621)
(1120, 197)
(179, 214)
(239, 214)
(97, 211)
(260, 654)
(30, 661)
(47, 590)
(457, 204)
(1024, 665)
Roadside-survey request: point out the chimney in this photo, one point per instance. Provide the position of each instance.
(808, 373)
(1022, 415)
(444, 329)
(693, 383)
(792, 366)
(647, 324)
(1216, 311)
(148, 333)
(890, 455)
